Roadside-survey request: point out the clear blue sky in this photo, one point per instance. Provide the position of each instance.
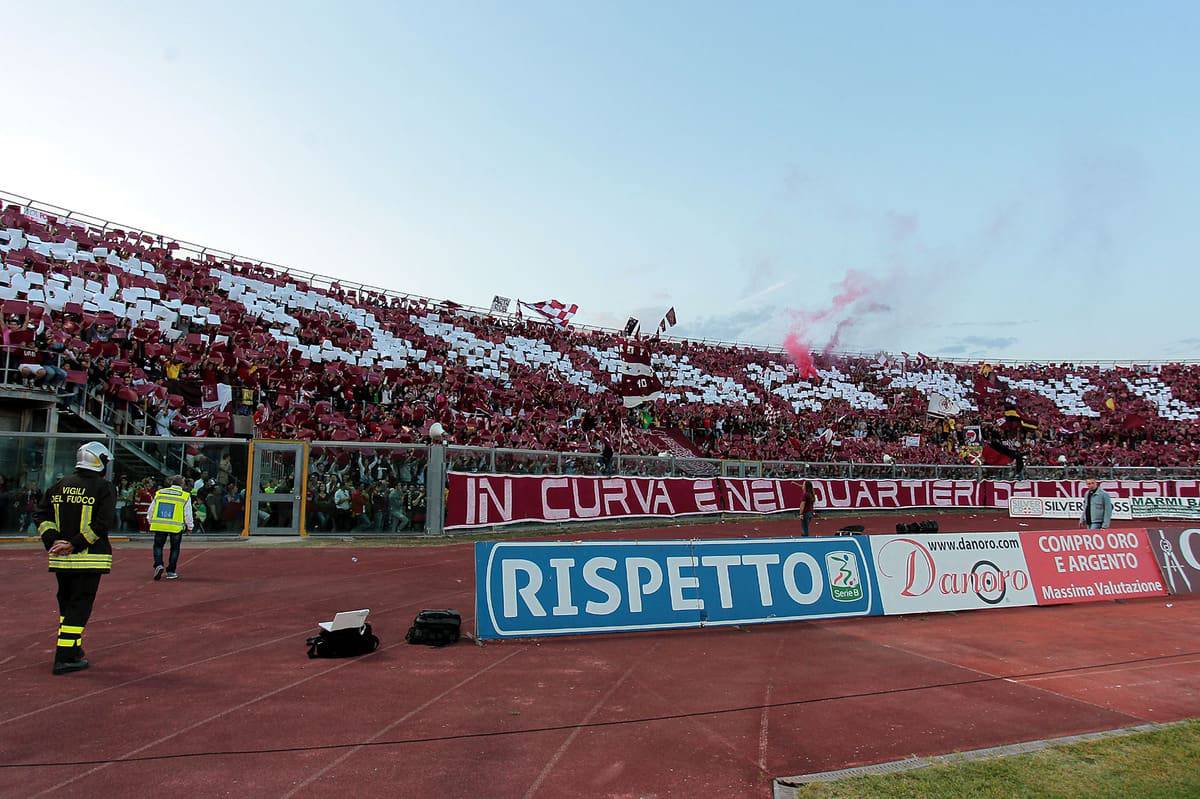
(1017, 179)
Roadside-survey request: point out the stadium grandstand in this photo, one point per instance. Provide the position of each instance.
(134, 333)
(677, 400)
(688, 401)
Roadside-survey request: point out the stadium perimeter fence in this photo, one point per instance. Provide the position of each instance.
(335, 488)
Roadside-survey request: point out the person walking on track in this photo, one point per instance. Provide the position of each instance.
(74, 518)
(808, 503)
(1097, 507)
(169, 515)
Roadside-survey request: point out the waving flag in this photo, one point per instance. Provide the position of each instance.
(1133, 421)
(668, 321)
(35, 215)
(997, 453)
(557, 312)
(941, 405)
(1013, 420)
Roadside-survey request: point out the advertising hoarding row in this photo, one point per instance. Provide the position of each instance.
(529, 589)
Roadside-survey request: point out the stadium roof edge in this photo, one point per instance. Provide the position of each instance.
(312, 277)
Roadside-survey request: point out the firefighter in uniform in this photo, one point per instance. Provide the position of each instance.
(169, 515)
(73, 521)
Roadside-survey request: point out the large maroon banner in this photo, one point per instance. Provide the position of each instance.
(480, 500)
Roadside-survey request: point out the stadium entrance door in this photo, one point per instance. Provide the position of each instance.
(741, 468)
(276, 487)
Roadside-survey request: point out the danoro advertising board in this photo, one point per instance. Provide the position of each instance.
(956, 571)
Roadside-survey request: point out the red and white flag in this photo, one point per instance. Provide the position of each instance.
(942, 406)
(216, 396)
(557, 312)
(262, 415)
(638, 382)
(668, 321)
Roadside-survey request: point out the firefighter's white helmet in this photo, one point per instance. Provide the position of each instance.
(93, 456)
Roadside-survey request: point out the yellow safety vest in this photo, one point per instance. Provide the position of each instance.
(167, 510)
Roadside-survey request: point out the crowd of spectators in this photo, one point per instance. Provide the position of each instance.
(139, 375)
(216, 486)
(18, 501)
(366, 490)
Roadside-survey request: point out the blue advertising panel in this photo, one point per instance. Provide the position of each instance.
(526, 589)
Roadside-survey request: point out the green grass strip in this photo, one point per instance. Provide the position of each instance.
(1161, 764)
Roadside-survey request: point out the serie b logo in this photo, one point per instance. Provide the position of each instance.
(845, 584)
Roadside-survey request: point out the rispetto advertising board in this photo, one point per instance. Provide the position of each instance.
(1090, 565)
(1060, 508)
(1177, 550)
(529, 589)
(967, 571)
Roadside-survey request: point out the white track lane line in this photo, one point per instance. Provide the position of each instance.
(385, 730)
(212, 718)
(182, 666)
(553, 761)
(260, 611)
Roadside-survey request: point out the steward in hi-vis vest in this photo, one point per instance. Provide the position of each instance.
(170, 515)
(73, 520)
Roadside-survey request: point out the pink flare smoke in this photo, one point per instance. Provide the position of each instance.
(852, 288)
(801, 355)
(836, 338)
(858, 313)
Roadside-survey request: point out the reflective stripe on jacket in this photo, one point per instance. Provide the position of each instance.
(85, 561)
(79, 509)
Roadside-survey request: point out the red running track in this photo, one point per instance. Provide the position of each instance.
(201, 687)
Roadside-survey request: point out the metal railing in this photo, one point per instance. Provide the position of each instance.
(523, 461)
(12, 376)
(528, 461)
